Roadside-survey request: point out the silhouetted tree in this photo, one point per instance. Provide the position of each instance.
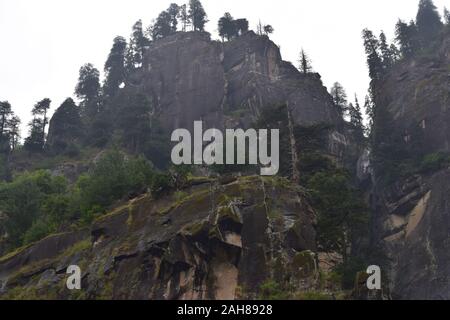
(304, 63)
(88, 89)
(230, 28)
(13, 129)
(9, 132)
(197, 15)
(386, 53)
(227, 27)
(370, 113)
(136, 48)
(395, 52)
(268, 29)
(355, 115)
(183, 15)
(5, 112)
(406, 37)
(115, 67)
(241, 25)
(162, 27)
(374, 60)
(173, 11)
(65, 127)
(428, 21)
(35, 142)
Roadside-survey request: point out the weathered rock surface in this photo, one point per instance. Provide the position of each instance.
(417, 94)
(212, 241)
(193, 78)
(416, 236)
(412, 215)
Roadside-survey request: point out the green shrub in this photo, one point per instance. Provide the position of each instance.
(37, 204)
(113, 178)
(24, 202)
(435, 162)
(39, 230)
(271, 290)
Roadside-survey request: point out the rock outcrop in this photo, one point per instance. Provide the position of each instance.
(416, 93)
(190, 77)
(411, 214)
(414, 229)
(214, 240)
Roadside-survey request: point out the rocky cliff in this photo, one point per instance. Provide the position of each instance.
(207, 240)
(203, 243)
(191, 77)
(411, 214)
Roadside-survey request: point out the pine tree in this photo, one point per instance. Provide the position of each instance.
(197, 15)
(88, 89)
(374, 60)
(386, 53)
(227, 27)
(13, 127)
(5, 112)
(41, 110)
(370, 112)
(183, 15)
(162, 26)
(304, 63)
(428, 21)
(115, 67)
(406, 37)
(339, 96)
(395, 53)
(356, 118)
(241, 26)
(173, 11)
(136, 48)
(35, 142)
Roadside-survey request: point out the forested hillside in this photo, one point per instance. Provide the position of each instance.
(94, 185)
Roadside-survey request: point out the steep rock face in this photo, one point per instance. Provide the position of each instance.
(184, 77)
(417, 94)
(258, 78)
(416, 234)
(189, 77)
(216, 240)
(192, 78)
(412, 215)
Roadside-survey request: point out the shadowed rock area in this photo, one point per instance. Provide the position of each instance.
(411, 214)
(190, 77)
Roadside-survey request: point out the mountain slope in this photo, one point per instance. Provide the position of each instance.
(205, 243)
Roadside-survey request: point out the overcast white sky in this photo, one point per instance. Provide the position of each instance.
(44, 42)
